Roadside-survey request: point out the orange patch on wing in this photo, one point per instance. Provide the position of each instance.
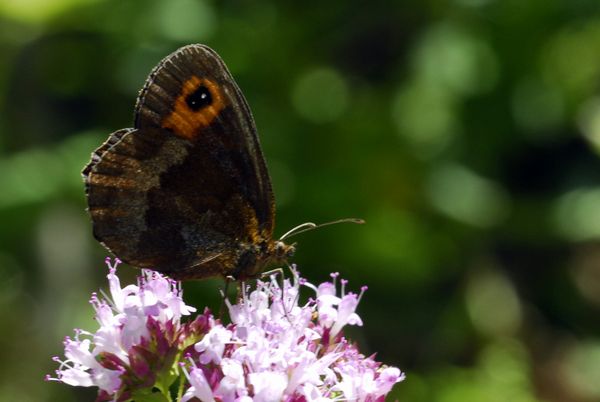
(248, 216)
(252, 228)
(187, 123)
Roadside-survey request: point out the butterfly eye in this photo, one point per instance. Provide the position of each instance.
(199, 99)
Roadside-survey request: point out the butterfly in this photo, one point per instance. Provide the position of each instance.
(186, 191)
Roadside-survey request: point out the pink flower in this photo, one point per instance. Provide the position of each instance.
(280, 350)
(139, 327)
(276, 348)
(199, 386)
(211, 347)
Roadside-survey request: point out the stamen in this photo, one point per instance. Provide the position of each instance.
(363, 289)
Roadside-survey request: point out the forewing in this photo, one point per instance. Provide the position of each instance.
(187, 188)
(224, 130)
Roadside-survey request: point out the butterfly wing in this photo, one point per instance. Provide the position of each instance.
(186, 191)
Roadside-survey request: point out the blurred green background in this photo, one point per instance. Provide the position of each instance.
(466, 133)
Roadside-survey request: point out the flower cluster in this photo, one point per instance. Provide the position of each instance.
(274, 349)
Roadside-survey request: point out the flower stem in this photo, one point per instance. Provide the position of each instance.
(181, 384)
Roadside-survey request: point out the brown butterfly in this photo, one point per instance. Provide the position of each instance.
(186, 191)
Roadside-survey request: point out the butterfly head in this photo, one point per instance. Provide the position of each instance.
(282, 251)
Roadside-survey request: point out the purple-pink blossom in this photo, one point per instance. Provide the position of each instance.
(276, 347)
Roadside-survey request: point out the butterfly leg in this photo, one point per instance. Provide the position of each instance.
(281, 287)
(228, 280)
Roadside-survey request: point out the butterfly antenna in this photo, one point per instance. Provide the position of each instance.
(305, 227)
(302, 227)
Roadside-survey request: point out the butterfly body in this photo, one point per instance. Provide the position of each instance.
(186, 191)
